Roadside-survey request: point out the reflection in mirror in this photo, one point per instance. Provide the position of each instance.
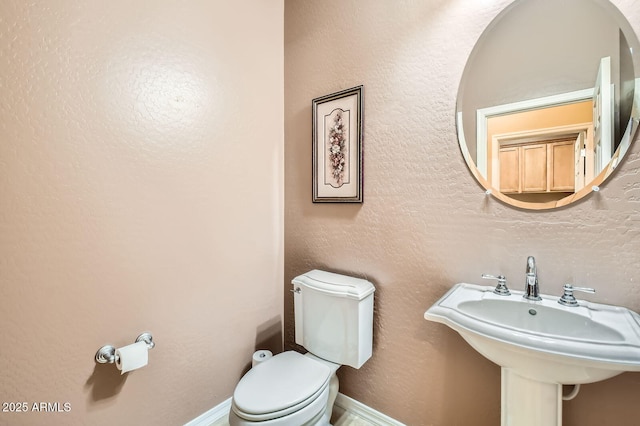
(547, 108)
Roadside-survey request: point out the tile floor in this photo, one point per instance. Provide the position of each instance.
(349, 419)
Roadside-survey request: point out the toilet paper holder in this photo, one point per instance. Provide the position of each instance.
(107, 353)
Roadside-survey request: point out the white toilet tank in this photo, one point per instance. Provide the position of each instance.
(334, 316)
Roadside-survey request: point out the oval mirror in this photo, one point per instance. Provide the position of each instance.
(548, 106)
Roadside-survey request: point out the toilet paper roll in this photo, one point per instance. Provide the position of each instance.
(132, 357)
(260, 356)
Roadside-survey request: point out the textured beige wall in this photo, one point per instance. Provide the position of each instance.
(425, 223)
(141, 188)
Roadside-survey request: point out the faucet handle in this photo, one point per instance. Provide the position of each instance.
(568, 299)
(501, 288)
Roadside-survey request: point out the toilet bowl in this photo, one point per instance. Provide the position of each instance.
(288, 389)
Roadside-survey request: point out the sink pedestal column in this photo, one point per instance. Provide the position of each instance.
(526, 402)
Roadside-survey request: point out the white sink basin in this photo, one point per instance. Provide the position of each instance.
(543, 341)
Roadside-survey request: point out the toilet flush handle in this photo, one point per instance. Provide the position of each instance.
(297, 290)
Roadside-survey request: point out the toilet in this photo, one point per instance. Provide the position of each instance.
(334, 323)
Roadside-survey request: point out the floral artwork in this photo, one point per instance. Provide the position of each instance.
(337, 150)
(337, 147)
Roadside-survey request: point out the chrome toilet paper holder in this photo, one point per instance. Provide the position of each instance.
(107, 353)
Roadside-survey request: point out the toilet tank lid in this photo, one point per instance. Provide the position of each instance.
(335, 284)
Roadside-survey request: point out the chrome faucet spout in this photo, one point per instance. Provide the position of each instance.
(531, 289)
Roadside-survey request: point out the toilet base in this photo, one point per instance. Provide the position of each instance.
(334, 384)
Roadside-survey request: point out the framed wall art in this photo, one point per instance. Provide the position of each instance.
(337, 147)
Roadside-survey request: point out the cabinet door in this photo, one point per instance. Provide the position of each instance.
(509, 169)
(561, 161)
(534, 168)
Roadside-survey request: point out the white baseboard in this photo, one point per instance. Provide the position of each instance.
(220, 412)
(211, 417)
(366, 413)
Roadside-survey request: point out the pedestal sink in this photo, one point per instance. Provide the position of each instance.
(541, 345)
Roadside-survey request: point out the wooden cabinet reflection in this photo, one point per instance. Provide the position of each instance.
(538, 167)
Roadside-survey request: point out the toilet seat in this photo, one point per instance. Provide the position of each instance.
(285, 384)
(312, 414)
